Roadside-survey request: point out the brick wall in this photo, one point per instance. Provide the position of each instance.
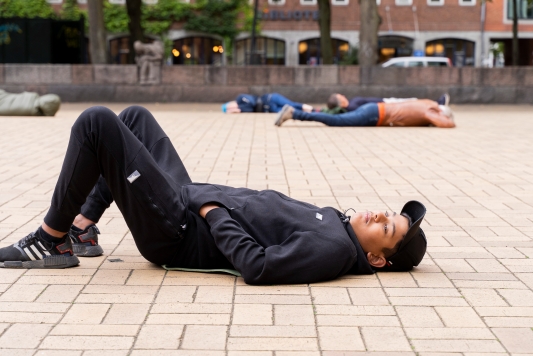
(450, 17)
(118, 83)
(495, 18)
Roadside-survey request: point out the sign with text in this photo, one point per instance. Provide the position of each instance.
(293, 15)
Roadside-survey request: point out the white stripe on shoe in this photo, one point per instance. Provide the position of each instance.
(43, 249)
(29, 252)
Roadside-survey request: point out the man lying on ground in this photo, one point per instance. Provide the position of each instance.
(266, 236)
(339, 103)
(408, 113)
(28, 104)
(272, 103)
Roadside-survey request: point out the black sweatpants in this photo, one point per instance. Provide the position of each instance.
(103, 151)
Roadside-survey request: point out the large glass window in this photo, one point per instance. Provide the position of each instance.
(460, 52)
(394, 46)
(119, 50)
(525, 9)
(270, 51)
(197, 50)
(311, 54)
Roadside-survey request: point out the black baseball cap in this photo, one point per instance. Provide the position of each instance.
(414, 245)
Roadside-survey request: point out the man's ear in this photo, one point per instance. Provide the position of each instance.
(376, 261)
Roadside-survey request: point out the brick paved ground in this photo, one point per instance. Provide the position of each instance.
(472, 295)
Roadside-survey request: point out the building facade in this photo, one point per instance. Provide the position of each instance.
(468, 32)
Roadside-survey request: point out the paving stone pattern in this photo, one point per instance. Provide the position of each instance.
(472, 294)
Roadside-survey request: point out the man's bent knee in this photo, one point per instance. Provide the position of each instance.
(95, 115)
(134, 112)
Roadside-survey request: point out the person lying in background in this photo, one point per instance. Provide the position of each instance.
(338, 103)
(408, 113)
(268, 103)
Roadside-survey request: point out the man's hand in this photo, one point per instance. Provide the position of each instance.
(207, 208)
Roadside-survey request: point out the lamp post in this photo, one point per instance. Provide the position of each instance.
(483, 16)
(253, 55)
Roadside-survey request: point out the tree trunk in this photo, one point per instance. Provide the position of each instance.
(515, 33)
(97, 35)
(368, 33)
(134, 8)
(326, 47)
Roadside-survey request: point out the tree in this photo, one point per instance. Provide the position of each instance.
(134, 8)
(515, 33)
(26, 9)
(97, 35)
(368, 32)
(326, 47)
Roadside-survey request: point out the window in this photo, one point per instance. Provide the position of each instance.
(197, 50)
(415, 64)
(307, 2)
(340, 2)
(525, 9)
(119, 49)
(394, 46)
(270, 50)
(467, 2)
(398, 64)
(310, 52)
(460, 52)
(403, 2)
(378, 2)
(437, 64)
(277, 2)
(435, 2)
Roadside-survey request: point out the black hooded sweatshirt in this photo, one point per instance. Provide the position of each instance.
(268, 237)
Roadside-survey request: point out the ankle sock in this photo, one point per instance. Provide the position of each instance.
(49, 238)
(75, 228)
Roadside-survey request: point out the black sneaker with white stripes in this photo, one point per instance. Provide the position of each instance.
(85, 243)
(35, 252)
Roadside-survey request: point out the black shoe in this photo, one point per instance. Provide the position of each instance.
(444, 99)
(35, 252)
(85, 243)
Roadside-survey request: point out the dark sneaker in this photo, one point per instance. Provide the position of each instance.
(444, 99)
(85, 243)
(35, 252)
(284, 115)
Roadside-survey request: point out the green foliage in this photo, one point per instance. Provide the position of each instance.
(351, 58)
(115, 18)
(158, 18)
(216, 17)
(71, 11)
(225, 18)
(26, 9)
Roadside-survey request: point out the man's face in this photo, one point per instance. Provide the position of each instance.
(377, 230)
(343, 101)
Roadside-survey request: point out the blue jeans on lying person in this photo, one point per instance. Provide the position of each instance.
(366, 115)
(274, 102)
